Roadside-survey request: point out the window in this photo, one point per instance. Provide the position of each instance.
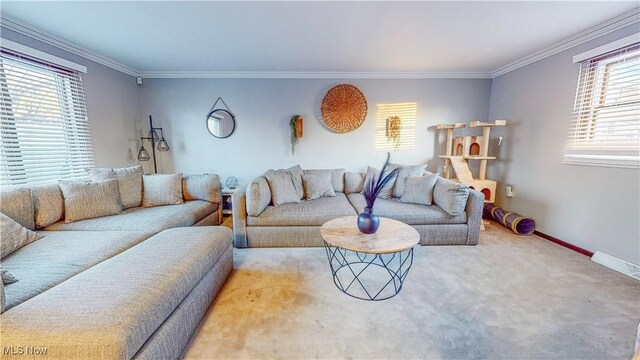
(605, 129)
(396, 126)
(44, 126)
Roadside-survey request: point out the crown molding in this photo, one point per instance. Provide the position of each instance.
(48, 38)
(314, 75)
(607, 27)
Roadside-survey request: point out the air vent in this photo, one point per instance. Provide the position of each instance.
(617, 264)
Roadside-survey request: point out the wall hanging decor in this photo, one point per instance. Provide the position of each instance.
(393, 130)
(344, 108)
(153, 138)
(220, 122)
(295, 125)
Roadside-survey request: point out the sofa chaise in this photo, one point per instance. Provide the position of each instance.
(132, 285)
(258, 223)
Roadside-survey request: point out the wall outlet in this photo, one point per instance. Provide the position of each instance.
(508, 192)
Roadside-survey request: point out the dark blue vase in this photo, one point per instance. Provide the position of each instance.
(368, 222)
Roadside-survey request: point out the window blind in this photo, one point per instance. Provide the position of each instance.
(605, 128)
(407, 136)
(44, 129)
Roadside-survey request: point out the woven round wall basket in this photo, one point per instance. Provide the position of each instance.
(344, 108)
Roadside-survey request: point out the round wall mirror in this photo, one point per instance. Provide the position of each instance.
(221, 123)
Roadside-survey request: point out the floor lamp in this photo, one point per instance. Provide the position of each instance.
(143, 154)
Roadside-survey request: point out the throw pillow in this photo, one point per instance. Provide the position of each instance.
(258, 196)
(419, 189)
(317, 185)
(353, 182)
(162, 189)
(202, 187)
(90, 199)
(337, 177)
(281, 186)
(48, 204)
(129, 182)
(3, 302)
(296, 176)
(403, 174)
(14, 236)
(372, 173)
(451, 196)
(17, 204)
(6, 277)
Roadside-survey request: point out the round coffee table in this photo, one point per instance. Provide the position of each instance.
(369, 266)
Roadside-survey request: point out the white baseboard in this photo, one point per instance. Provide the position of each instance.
(617, 264)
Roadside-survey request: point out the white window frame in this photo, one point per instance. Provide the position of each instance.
(604, 157)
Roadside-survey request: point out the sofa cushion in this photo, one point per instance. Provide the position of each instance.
(451, 196)
(296, 177)
(317, 185)
(90, 199)
(353, 182)
(144, 219)
(412, 214)
(419, 189)
(403, 174)
(129, 182)
(306, 213)
(373, 173)
(258, 196)
(14, 236)
(282, 188)
(110, 310)
(48, 204)
(162, 189)
(17, 204)
(337, 177)
(202, 187)
(60, 255)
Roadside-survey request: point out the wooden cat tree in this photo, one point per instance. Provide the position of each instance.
(460, 150)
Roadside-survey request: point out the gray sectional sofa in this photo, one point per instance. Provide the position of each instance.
(258, 223)
(133, 285)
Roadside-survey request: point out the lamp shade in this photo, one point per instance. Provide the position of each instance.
(163, 145)
(153, 134)
(143, 154)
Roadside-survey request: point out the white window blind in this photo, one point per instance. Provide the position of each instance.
(407, 130)
(44, 127)
(605, 128)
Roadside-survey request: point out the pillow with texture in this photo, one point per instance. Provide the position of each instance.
(90, 199)
(353, 182)
(281, 185)
(296, 176)
(14, 236)
(258, 196)
(202, 187)
(337, 177)
(451, 196)
(129, 182)
(162, 189)
(317, 185)
(48, 204)
(403, 174)
(387, 191)
(17, 204)
(419, 189)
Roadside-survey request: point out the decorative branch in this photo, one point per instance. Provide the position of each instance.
(373, 188)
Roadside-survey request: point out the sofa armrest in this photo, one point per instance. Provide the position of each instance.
(239, 212)
(475, 203)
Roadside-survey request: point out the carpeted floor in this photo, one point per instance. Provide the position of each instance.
(509, 297)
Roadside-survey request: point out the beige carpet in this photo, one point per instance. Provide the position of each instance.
(509, 297)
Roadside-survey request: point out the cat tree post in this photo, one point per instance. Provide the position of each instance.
(449, 145)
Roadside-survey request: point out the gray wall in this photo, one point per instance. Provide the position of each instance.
(596, 208)
(263, 108)
(112, 100)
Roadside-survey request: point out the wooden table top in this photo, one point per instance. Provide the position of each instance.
(392, 236)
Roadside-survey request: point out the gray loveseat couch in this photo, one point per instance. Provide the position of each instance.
(257, 223)
(134, 285)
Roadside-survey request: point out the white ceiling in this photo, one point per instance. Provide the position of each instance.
(315, 36)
